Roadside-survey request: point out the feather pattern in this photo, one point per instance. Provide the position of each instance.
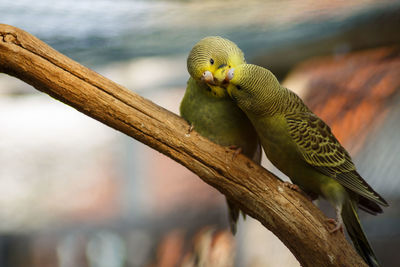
(208, 108)
(303, 147)
(320, 148)
(314, 139)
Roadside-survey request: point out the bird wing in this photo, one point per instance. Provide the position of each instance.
(320, 148)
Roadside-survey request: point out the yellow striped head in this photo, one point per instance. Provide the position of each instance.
(209, 60)
(252, 87)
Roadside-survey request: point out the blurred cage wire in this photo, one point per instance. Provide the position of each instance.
(74, 192)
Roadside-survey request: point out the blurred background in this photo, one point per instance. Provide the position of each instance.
(74, 192)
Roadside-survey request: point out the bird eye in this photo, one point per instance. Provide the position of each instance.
(211, 61)
(238, 87)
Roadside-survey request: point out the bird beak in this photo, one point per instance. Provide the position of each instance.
(208, 77)
(229, 75)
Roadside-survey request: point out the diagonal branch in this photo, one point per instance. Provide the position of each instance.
(290, 216)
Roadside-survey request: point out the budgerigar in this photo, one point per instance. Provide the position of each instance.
(209, 109)
(303, 147)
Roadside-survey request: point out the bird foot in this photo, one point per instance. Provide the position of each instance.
(298, 189)
(237, 151)
(337, 226)
(292, 186)
(190, 129)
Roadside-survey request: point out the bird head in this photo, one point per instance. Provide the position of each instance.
(237, 87)
(251, 87)
(209, 60)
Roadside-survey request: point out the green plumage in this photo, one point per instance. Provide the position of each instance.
(218, 119)
(221, 121)
(303, 147)
(210, 111)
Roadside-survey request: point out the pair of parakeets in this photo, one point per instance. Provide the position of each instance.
(237, 104)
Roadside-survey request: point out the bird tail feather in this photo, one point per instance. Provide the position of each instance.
(233, 213)
(356, 233)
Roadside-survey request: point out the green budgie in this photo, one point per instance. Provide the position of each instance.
(303, 147)
(208, 108)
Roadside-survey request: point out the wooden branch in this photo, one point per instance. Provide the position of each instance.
(294, 219)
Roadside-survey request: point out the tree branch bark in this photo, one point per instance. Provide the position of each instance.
(295, 220)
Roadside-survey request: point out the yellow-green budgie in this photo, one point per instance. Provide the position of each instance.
(303, 147)
(209, 109)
